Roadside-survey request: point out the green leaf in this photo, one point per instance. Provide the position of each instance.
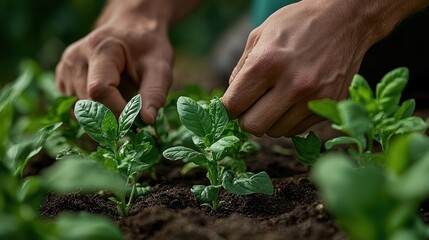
(413, 184)
(109, 127)
(219, 117)
(225, 146)
(356, 197)
(77, 173)
(354, 118)
(398, 155)
(90, 116)
(308, 148)
(64, 104)
(247, 183)
(205, 194)
(186, 154)
(406, 110)
(344, 140)
(11, 91)
(24, 151)
(130, 112)
(410, 124)
(194, 117)
(361, 92)
(86, 226)
(326, 108)
(389, 90)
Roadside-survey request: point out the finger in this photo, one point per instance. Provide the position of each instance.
(59, 78)
(289, 120)
(157, 78)
(251, 42)
(104, 69)
(72, 70)
(249, 85)
(268, 109)
(304, 125)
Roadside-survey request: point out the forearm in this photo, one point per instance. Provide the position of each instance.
(379, 17)
(166, 12)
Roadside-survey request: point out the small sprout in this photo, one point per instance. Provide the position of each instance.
(221, 146)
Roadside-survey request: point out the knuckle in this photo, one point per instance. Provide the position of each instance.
(72, 54)
(109, 46)
(157, 95)
(252, 126)
(96, 37)
(97, 90)
(253, 37)
(231, 105)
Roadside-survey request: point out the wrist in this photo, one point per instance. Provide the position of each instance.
(368, 21)
(377, 18)
(135, 13)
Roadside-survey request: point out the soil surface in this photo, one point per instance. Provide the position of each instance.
(170, 211)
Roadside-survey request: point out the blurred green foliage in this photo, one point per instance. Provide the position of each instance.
(41, 29)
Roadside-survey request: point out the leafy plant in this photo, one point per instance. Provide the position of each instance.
(128, 157)
(220, 146)
(377, 202)
(367, 118)
(23, 135)
(20, 200)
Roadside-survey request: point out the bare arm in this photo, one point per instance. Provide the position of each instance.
(306, 51)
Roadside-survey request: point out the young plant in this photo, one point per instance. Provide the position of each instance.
(217, 140)
(367, 118)
(20, 201)
(378, 202)
(127, 157)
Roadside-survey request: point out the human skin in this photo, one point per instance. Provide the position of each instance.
(306, 51)
(128, 50)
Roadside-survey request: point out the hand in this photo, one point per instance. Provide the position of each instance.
(304, 51)
(127, 52)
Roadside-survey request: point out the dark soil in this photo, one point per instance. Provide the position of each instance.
(170, 211)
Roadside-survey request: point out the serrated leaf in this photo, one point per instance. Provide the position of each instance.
(308, 148)
(194, 117)
(326, 108)
(219, 117)
(90, 116)
(130, 112)
(186, 154)
(205, 194)
(247, 183)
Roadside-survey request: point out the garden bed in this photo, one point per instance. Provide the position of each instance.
(170, 210)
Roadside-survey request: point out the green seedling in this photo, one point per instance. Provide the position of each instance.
(20, 200)
(366, 118)
(378, 202)
(219, 148)
(121, 150)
